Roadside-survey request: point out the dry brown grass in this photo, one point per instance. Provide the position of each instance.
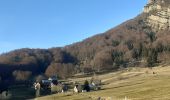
(135, 84)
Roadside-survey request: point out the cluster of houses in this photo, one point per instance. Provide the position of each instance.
(48, 85)
(53, 85)
(94, 85)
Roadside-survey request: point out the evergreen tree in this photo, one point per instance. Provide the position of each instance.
(152, 57)
(86, 86)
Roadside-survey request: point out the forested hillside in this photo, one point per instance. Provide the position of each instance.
(132, 43)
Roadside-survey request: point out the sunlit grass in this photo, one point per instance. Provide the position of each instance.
(145, 86)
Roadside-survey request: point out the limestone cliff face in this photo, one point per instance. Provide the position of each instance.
(158, 12)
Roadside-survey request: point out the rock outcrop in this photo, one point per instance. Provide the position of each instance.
(158, 12)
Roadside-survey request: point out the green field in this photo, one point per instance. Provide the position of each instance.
(132, 84)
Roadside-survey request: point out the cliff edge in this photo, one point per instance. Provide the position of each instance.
(158, 14)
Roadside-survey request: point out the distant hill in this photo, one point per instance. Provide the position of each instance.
(133, 43)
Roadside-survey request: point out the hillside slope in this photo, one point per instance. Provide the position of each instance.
(132, 84)
(133, 43)
(103, 51)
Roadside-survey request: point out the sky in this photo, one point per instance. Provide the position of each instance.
(56, 23)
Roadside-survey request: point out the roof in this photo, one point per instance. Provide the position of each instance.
(53, 78)
(96, 81)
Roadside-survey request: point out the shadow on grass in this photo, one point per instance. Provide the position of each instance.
(25, 93)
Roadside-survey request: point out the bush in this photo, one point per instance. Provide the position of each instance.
(56, 89)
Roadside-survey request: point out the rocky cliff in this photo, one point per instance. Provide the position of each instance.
(158, 12)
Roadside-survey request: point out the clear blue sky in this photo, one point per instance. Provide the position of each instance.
(54, 23)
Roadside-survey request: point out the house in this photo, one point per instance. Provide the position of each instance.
(95, 84)
(65, 88)
(78, 88)
(37, 87)
(45, 84)
(53, 79)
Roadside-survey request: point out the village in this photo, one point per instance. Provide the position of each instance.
(52, 86)
(49, 86)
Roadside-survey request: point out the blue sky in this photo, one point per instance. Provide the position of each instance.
(55, 23)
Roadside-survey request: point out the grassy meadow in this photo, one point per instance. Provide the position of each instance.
(129, 84)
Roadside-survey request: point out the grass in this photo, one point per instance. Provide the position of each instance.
(136, 84)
